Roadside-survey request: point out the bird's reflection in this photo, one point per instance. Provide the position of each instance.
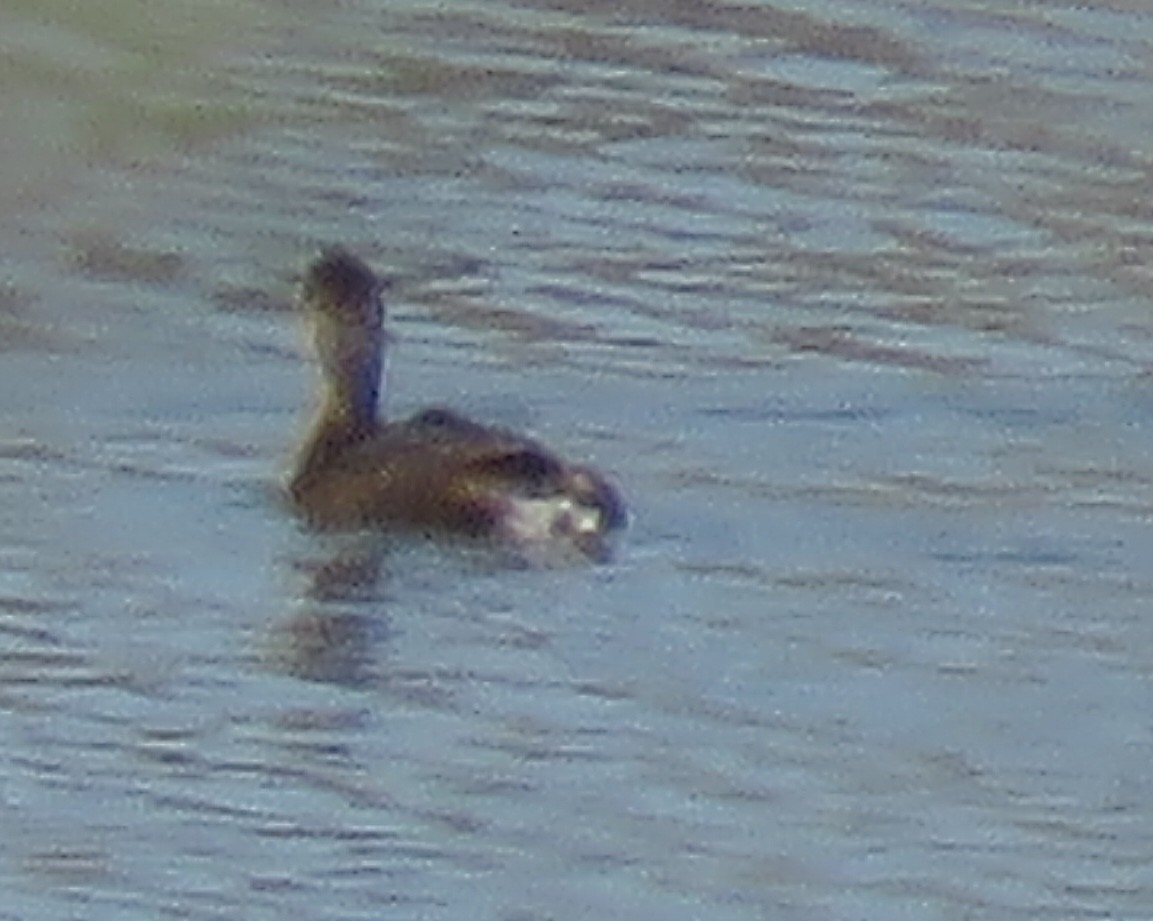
(318, 646)
(352, 574)
(341, 620)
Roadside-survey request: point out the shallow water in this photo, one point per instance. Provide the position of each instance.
(852, 301)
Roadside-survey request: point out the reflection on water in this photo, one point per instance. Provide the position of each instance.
(317, 646)
(321, 642)
(852, 300)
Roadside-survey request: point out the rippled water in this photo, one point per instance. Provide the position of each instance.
(851, 298)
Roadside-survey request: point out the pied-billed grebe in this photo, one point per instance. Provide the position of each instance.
(436, 470)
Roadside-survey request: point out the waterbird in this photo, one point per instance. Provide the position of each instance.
(436, 471)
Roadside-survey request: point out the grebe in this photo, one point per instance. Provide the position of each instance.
(437, 470)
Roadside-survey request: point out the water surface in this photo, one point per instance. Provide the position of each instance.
(852, 299)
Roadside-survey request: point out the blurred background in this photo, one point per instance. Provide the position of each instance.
(852, 299)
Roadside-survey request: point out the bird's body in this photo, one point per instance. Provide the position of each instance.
(436, 471)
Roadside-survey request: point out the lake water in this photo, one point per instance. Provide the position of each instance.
(853, 299)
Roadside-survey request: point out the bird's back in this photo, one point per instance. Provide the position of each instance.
(440, 471)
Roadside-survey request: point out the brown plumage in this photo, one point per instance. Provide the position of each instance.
(437, 470)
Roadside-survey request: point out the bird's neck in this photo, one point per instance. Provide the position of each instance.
(353, 373)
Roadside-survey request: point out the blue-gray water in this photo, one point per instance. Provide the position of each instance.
(854, 301)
